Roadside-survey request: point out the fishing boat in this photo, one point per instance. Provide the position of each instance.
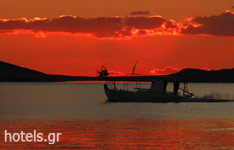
(156, 93)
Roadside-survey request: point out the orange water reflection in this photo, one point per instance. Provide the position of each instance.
(127, 134)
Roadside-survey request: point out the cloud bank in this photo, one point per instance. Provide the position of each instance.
(119, 27)
(217, 25)
(99, 27)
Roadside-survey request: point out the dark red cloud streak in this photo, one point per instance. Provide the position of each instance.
(215, 25)
(144, 22)
(135, 13)
(99, 27)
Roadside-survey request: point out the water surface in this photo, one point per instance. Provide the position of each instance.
(80, 112)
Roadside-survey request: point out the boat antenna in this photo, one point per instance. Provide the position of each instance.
(134, 68)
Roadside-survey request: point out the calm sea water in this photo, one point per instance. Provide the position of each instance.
(80, 112)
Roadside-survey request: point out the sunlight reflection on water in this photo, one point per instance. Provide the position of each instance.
(129, 134)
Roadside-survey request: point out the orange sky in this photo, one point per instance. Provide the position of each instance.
(170, 9)
(78, 45)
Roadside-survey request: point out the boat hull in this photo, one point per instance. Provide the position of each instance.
(114, 95)
(140, 96)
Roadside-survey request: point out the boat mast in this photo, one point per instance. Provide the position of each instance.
(134, 68)
(133, 73)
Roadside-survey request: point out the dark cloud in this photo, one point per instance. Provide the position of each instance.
(217, 25)
(144, 22)
(99, 27)
(135, 13)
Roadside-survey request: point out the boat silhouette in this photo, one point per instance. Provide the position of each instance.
(156, 93)
(153, 95)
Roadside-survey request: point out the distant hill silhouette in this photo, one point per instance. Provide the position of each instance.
(14, 73)
(10, 72)
(198, 75)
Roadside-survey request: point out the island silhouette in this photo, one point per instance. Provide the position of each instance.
(13, 73)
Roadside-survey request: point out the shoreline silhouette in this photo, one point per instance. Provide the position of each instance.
(13, 73)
